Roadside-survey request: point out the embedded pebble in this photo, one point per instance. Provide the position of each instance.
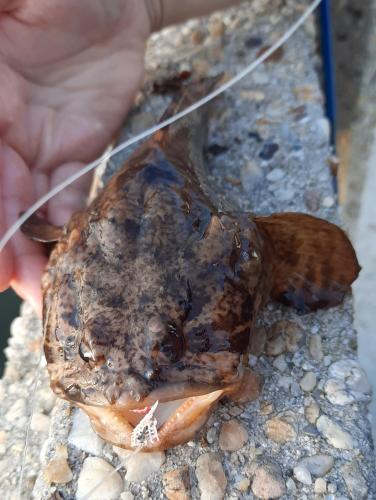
(302, 474)
(243, 484)
(312, 412)
(82, 435)
(211, 478)
(332, 488)
(211, 435)
(306, 92)
(323, 130)
(126, 495)
(312, 199)
(337, 394)
(201, 67)
(334, 434)
(280, 363)
(98, 480)
(140, 465)
(355, 482)
(233, 436)
(279, 431)
(315, 348)
(217, 28)
(197, 37)
(320, 486)
(40, 422)
(58, 471)
(266, 408)
(252, 95)
(275, 347)
(327, 202)
(352, 382)
(284, 335)
(349, 383)
(17, 411)
(251, 176)
(275, 175)
(308, 382)
(290, 484)
(268, 150)
(318, 465)
(176, 484)
(268, 482)
(257, 341)
(3, 437)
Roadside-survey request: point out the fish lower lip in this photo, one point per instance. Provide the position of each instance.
(175, 421)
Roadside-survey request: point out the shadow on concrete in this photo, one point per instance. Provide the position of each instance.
(352, 27)
(9, 309)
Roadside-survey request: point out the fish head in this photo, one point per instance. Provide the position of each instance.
(120, 339)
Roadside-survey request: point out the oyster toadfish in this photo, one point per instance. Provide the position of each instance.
(151, 293)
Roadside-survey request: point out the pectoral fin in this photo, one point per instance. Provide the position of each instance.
(39, 229)
(313, 261)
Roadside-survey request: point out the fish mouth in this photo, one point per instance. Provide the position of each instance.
(153, 424)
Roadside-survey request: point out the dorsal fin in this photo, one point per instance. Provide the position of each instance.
(313, 261)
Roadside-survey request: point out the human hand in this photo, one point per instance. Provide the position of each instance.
(69, 72)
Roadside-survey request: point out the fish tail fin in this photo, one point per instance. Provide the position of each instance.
(313, 261)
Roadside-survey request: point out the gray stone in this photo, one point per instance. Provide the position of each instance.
(318, 465)
(280, 363)
(98, 480)
(334, 434)
(233, 436)
(315, 347)
(140, 465)
(308, 382)
(82, 435)
(355, 482)
(251, 176)
(327, 202)
(268, 482)
(320, 486)
(302, 474)
(312, 412)
(275, 175)
(211, 478)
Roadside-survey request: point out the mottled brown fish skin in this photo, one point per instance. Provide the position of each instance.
(151, 285)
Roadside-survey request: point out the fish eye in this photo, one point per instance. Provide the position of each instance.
(172, 344)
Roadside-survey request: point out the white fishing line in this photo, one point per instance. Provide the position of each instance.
(248, 69)
(106, 156)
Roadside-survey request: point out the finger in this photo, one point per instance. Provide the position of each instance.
(27, 282)
(6, 258)
(26, 257)
(9, 5)
(72, 198)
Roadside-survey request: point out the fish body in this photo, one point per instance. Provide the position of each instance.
(151, 293)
